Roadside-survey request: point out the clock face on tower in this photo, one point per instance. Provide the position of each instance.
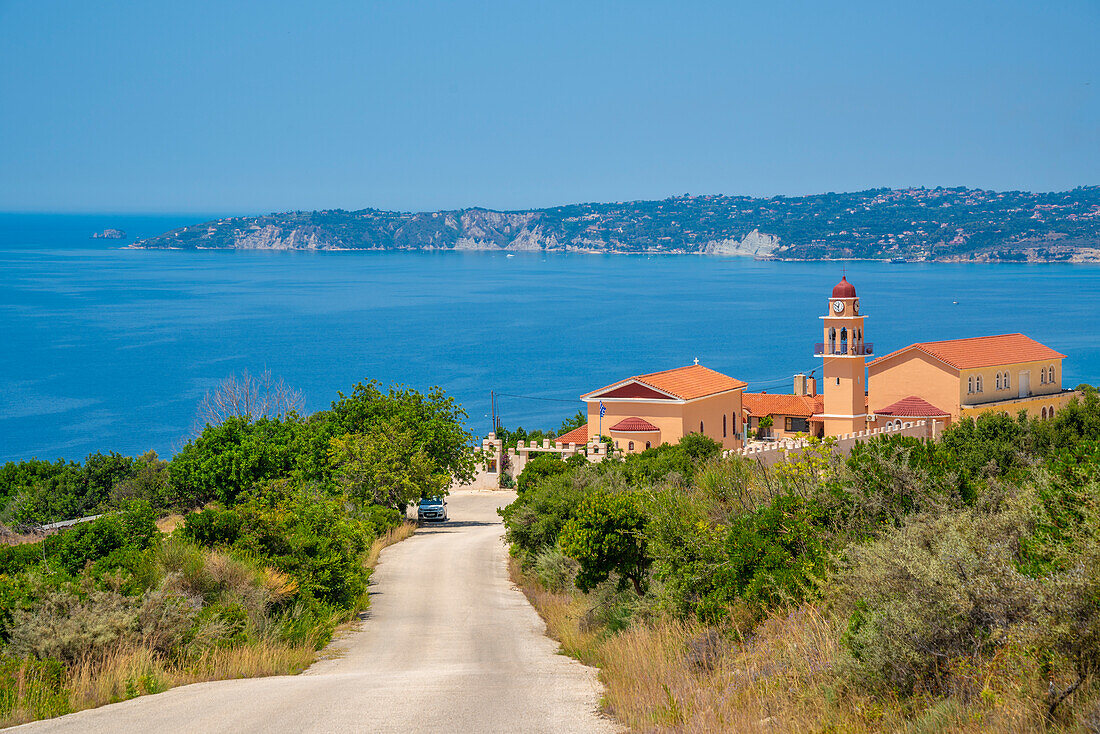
(838, 306)
(855, 307)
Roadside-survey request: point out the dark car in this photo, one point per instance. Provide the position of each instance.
(432, 510)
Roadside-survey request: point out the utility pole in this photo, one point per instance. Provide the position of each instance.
(493, 407)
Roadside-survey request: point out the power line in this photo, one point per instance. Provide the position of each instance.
(535, 397)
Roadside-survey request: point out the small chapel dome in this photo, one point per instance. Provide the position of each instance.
(844, 289)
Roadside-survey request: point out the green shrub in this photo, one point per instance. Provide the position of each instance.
(687, 546)
(212, 527)
(535, 519)
(67, 627)
(774, 555)
(554, 569)
(380, 520)
(538, 469)
(166, 618)
(605, 536)
(941, 588)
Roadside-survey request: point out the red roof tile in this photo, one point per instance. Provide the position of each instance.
(634, 425)
(914, 407)
(761, 404)
(577, 435)
(983, 351)
(683, 383)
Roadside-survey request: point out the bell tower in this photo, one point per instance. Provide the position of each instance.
(844, 381)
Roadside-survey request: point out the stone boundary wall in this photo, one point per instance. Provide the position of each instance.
(788, 448)
(495, 458)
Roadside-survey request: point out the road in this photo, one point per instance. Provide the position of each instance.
(449, 645)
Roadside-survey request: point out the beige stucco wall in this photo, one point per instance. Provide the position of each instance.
(709, 411)
(673, 419)
(667, 416)
(913, 373)
(1033, 405)
(990, 392)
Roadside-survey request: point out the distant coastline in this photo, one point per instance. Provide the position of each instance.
(896, 225)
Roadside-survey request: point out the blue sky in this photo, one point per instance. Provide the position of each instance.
(267, 106)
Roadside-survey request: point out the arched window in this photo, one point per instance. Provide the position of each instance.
(978, 383)
(1008, 382)
(970, 384)
(1043, 413)
(724, 434)
(647, 445)
(832, 340)
(630, 446)
(844, 341)
(1043, 376)
(998, 380)
(1050, 377)
(897, 423)
(1050, 413)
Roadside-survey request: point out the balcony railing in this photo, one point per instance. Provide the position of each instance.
(838, 349)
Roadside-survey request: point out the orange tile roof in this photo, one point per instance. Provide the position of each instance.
(983, 351)
(634, 425)
(762, 403)
(577, 435)
(685, 383)
(913, 406)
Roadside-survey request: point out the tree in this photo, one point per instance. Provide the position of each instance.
(763, 426)
(606, 536)
(386, 467)
(232, 457)
(435, 421)
(245, 396)
(569, 424)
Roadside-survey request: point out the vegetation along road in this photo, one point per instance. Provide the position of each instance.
(449, 645)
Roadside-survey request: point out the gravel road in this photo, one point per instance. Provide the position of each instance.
(449, 645)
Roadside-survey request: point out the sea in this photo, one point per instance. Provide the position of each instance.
(110, 349)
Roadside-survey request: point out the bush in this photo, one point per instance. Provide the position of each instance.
(554, 569)
(942, 588)
(212, 527)
(66, 627)
(774, 555)
(538, 469)
(535, 519)
(605, 536)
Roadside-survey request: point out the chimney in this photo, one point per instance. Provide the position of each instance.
(805, 386)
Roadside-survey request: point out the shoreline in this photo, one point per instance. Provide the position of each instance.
(1077, 260)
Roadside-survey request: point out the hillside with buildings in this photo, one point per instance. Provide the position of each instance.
(941, 224)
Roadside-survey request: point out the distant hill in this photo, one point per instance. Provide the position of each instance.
(941, 224)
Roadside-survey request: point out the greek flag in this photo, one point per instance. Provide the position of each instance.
(602, 409)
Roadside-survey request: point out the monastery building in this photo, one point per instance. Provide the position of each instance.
(937, 382)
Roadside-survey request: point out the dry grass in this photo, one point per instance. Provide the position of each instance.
(675, 676)
(394, 535)
(169, 523)
(128, 673)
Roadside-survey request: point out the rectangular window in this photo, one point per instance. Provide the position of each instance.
(798, 425)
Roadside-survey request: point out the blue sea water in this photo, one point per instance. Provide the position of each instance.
(106, 348)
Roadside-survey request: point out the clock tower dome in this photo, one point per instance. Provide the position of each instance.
(844, 383)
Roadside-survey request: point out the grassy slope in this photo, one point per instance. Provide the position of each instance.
(128, 673)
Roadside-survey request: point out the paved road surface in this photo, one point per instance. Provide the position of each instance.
(449, 646)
